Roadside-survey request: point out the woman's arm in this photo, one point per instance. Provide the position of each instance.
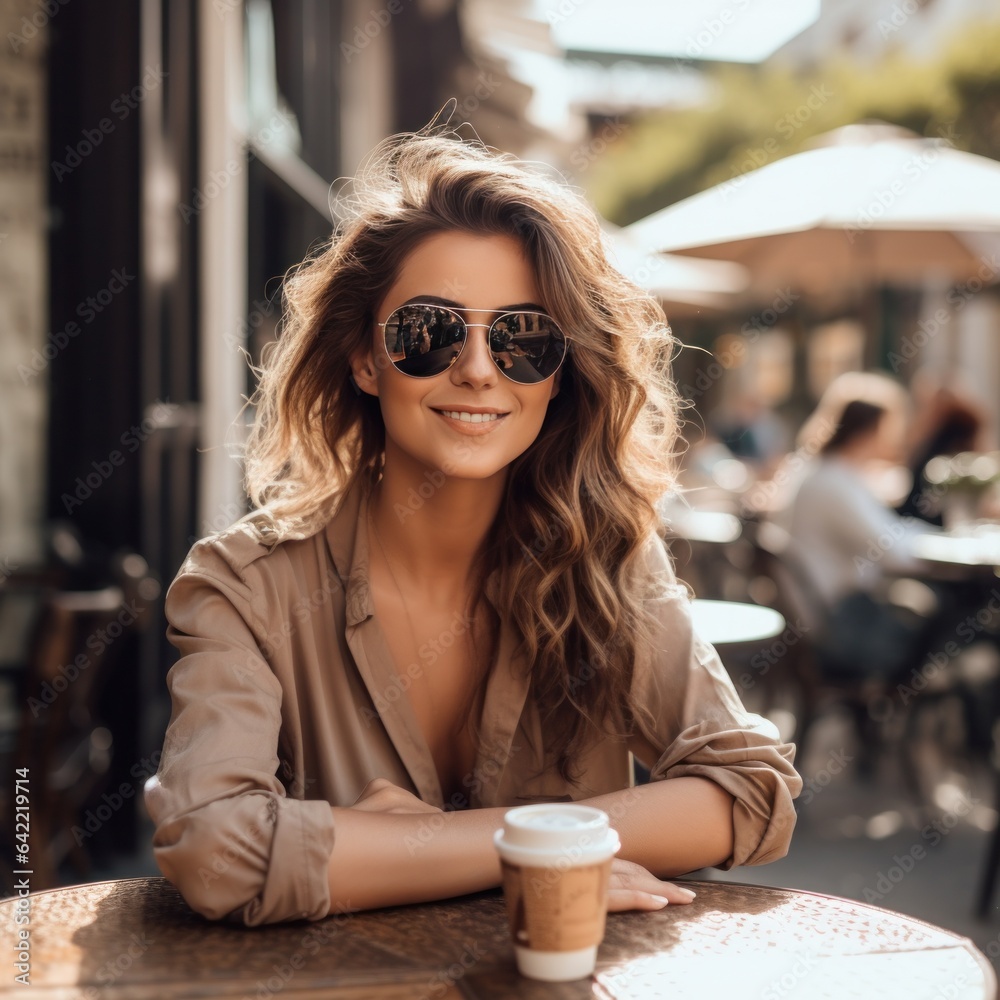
(403, 851)
(673, 826)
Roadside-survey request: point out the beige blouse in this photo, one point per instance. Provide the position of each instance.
(286, 701)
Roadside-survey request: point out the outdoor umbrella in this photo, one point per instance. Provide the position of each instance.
(868, 204)
(685, 285)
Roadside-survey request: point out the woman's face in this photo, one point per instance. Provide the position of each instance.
(478, 276)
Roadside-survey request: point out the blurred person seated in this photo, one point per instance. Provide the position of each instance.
(951, 425)
(848, 544)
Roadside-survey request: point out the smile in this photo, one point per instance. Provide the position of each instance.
(471, 418)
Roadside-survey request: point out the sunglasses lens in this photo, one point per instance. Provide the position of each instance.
(424, 340)
(527, 346)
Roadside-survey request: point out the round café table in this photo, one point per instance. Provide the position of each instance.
(694, 525)
(977, 547)
(732, 623)
(137, 939)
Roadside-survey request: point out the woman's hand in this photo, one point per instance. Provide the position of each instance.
(632, 887)
(381, 795)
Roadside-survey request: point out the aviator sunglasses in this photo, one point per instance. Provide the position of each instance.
(425, 339)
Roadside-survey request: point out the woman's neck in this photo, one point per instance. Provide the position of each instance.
(432, 526)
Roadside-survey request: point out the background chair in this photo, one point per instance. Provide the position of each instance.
(70, 641)
(815, 664)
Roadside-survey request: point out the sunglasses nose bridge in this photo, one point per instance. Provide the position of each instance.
(475, 357)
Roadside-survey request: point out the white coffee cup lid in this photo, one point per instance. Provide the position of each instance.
(547, 832)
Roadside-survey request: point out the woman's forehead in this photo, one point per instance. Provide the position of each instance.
(467, 269)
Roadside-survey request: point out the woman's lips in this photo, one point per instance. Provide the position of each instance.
(469, 416)
(480, 424)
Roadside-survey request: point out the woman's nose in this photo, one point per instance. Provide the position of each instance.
(475, 364)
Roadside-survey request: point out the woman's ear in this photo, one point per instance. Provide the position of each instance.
(363, 373)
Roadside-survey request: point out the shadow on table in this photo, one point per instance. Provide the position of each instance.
(143, 939)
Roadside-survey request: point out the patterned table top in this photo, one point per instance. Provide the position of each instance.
(136, 938)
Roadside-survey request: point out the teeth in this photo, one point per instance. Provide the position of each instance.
(471, 418)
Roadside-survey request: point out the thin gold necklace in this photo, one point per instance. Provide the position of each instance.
(399, 590)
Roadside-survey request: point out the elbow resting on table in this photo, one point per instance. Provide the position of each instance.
(217, 855)
(201, 867)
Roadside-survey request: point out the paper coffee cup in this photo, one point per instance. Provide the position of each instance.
(556, 861)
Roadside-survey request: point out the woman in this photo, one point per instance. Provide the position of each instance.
(452, 598)
(848, 543)
(845, 536)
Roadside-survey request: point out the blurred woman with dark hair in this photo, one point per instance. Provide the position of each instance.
(844, 538)
(952, 425)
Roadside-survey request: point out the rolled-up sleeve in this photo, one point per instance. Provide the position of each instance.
(694, 720)
(227, 834)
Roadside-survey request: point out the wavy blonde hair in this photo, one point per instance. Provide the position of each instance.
(579, 506)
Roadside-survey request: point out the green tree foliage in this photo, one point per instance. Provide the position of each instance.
(762, 113)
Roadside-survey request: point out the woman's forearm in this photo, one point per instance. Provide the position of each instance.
(673, 826)
(385, 859)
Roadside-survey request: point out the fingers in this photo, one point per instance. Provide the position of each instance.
(675, 893)
(632, 887)
(633, 899)
(647, 899)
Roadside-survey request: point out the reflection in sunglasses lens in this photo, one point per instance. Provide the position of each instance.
(424, 340)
